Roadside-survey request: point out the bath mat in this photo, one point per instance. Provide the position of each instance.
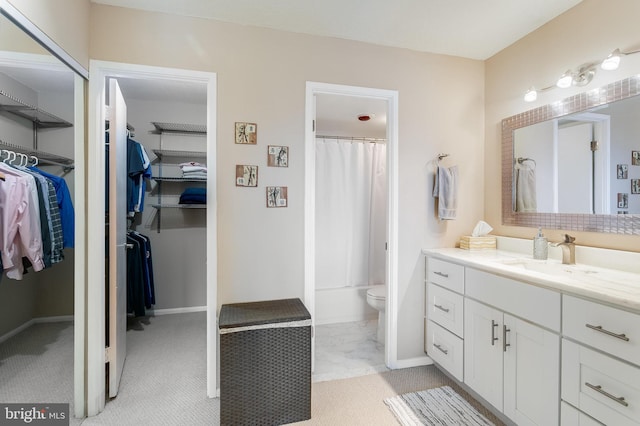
(440, 406)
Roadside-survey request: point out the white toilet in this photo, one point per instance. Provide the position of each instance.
(376, 298)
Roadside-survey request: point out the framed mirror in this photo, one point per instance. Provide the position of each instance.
(575, 164)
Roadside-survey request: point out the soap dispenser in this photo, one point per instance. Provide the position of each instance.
(540, 246)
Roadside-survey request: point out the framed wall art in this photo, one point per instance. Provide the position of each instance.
(635, 186)
(635, 158)
(277, 196)
(246, 175)
(623, 200)
(246, 133)
(622, 171)
(278, 156)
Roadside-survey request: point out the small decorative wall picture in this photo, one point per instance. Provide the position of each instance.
(623, 211)
(246, 133)
(635, 158)
(623, 171)
(246, 175)
(278, 156)
(635, 186)
(623, 200)
(277, 196)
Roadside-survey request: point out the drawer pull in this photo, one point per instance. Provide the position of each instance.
(607, 332)
(442, 274)
(493, 332)
(505, 330)
(620, 400)
(443, 309)
(437, 346)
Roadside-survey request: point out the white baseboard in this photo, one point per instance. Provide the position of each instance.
(32, 321)
(171, 311)
(412, 362)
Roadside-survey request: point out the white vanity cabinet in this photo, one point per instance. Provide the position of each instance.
(511, 362)
(445, 309)
(601, 362)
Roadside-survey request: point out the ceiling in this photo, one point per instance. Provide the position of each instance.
(475, 29)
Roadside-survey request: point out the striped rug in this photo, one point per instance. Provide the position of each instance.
(440, 406)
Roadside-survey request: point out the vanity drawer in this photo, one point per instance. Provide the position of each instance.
(570, 416)
(445, 308)
(596, 384)
(535, 304)
(448, 275)
(445, 348)
(609, 329)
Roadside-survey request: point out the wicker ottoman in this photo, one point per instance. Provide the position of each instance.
(265, 363)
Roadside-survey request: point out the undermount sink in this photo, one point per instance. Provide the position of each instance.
(551, 268)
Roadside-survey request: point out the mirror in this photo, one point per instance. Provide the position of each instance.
(41, 119)
(575, 164)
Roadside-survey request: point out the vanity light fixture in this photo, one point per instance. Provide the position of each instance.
(583, 75)
(565, 80)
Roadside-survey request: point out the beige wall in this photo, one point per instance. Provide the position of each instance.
(587, 32)
(66, 22)
(261, 78)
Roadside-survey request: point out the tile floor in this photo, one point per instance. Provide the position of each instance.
(347, 350)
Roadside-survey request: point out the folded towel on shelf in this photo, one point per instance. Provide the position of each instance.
(193, 169)
(526, 199)
(193, 196)
(445, 188)
(199, 175)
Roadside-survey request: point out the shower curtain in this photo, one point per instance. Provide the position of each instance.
(351, 213)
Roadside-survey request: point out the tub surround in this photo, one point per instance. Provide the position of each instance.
(607, 276)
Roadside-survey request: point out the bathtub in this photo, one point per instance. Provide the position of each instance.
(343, 304)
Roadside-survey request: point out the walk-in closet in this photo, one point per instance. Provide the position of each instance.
(37, 181)
(163, 222)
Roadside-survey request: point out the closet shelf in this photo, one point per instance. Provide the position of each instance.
(179, 206)
(42, 119)
(43, 157)
(160, 153)
(177, 179)
(180, 128)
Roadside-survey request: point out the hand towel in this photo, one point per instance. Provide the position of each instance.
(445, 189)
(526, 200)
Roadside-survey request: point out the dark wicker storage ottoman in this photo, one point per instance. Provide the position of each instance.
(265, 363)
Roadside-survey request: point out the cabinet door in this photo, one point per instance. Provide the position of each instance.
(531, 373)
(483, 351)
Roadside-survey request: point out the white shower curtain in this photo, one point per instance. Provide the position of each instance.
(351, 213)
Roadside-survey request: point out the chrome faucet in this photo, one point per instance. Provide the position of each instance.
(568, 250)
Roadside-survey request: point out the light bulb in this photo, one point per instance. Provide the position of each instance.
(565, 80)
(531, 95)
(612, 62)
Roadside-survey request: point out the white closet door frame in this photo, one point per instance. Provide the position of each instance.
(99, 70)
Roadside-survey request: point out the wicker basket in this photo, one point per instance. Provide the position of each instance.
(265, 363)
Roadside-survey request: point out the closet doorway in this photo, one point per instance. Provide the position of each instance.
(319, 94)
(170, 118)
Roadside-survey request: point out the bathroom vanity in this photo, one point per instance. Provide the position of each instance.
(542, 342)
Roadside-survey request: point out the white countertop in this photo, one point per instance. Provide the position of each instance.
(611, 286)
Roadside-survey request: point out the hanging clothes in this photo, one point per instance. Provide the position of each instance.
(140, 282)
(32, 228)
(138, 170)
(21, 224)
(65, 207)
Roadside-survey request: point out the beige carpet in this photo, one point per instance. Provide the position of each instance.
(360, 400)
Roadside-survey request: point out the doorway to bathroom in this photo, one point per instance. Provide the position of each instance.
(350, 228)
